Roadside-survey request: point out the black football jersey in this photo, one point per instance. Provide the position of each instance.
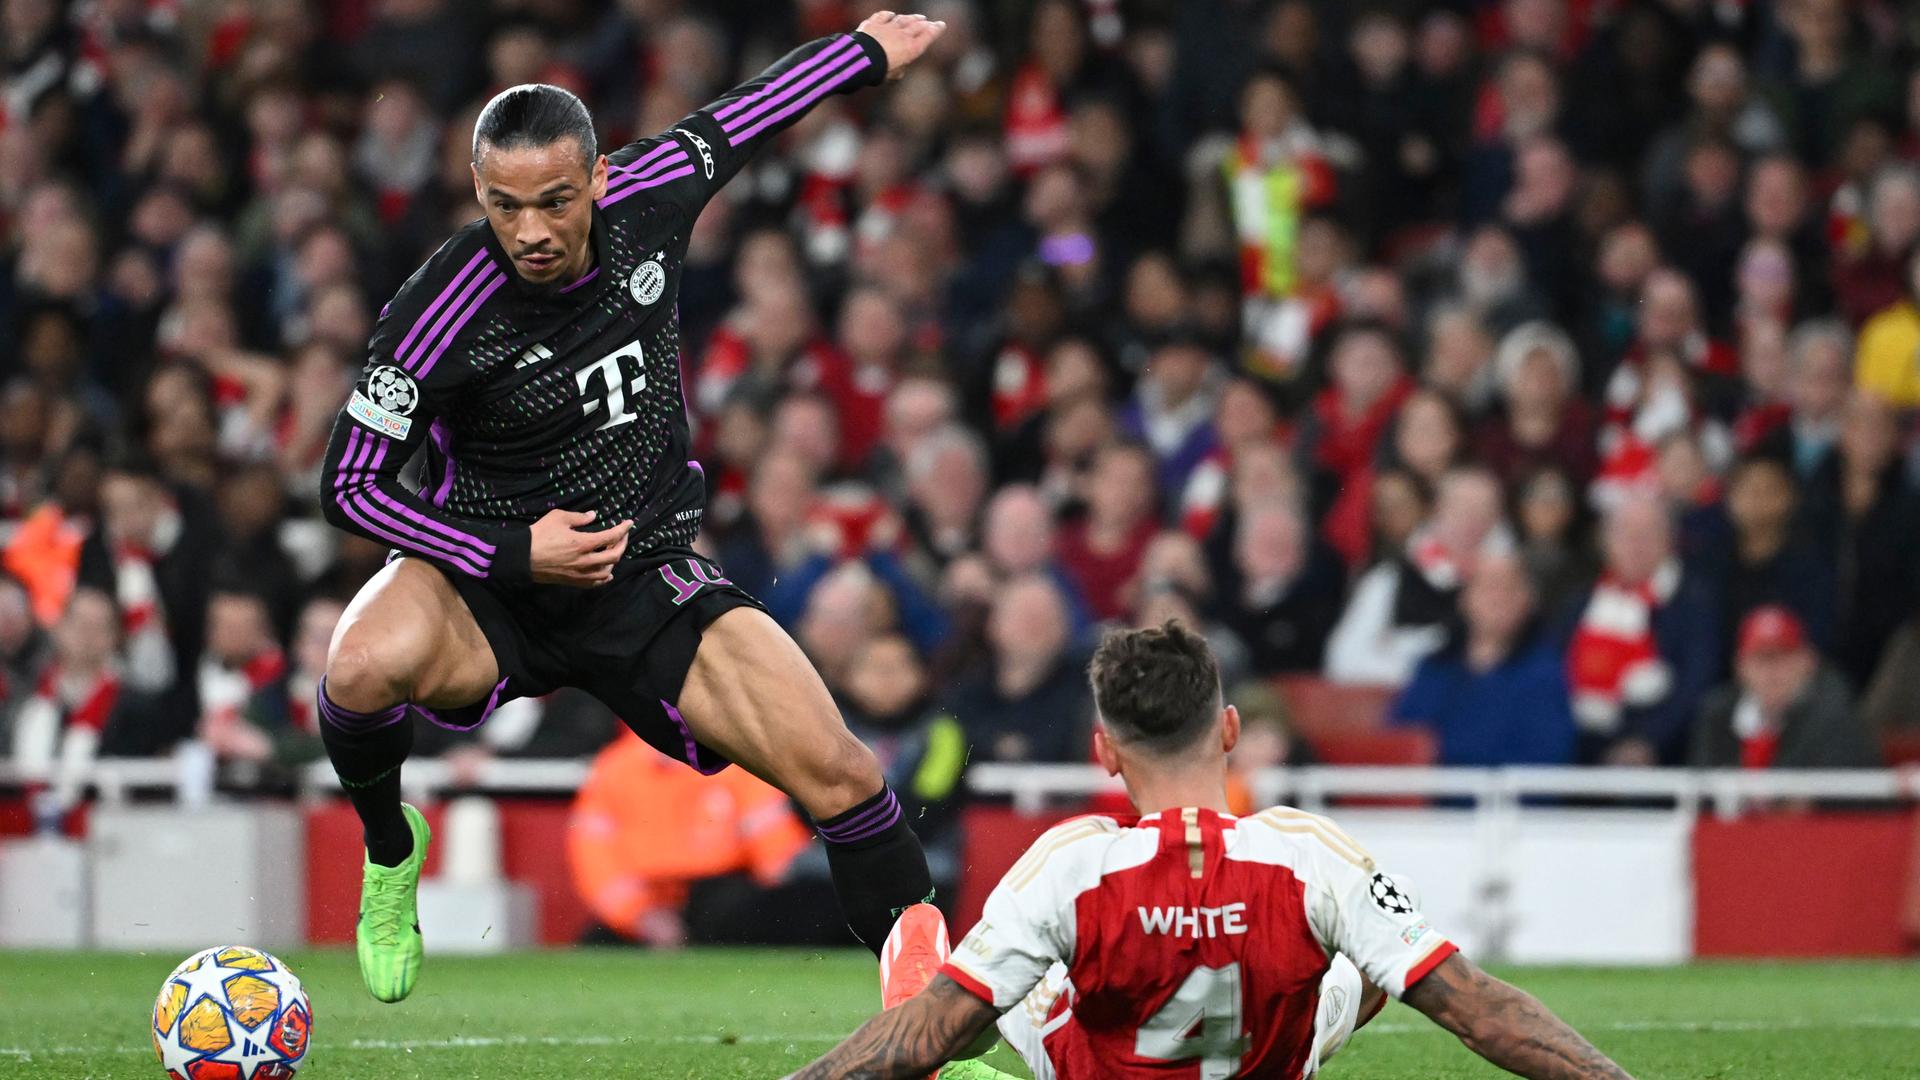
(525, 398)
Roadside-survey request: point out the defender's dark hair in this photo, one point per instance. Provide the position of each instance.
(1157, 689)
(535, 114)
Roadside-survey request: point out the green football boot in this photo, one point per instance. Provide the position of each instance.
(973, 1070)
(387, 937)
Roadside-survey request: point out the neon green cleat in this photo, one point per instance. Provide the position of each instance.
(387, 937)
(973, 1070)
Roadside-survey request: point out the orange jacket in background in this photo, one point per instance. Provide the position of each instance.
(645, 826)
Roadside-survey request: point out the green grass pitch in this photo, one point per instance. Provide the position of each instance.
(756, 1013)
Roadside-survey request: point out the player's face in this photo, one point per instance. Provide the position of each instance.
(539, 200)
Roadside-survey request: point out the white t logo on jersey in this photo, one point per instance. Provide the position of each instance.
(608, 370)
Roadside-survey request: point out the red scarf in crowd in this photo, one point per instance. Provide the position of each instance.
(1613, 661)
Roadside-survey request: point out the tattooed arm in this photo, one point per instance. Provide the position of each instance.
(1507, 1025)
(909, 1040)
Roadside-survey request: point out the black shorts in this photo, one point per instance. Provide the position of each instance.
(629, 643)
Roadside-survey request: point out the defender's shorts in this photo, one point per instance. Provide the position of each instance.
(629, 643)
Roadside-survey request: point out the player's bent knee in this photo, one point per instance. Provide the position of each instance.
(365, 676)
(840, 776)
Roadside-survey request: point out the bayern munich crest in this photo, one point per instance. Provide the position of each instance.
(648, 282)
(393, 390)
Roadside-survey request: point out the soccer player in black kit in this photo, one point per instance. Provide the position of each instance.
(533, 363)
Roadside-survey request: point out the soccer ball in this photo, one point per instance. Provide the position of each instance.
(231, 1013)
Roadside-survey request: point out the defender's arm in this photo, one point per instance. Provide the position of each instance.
(910, 1040)
(1507, 1025)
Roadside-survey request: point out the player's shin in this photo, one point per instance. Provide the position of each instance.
(877, 865)
(367, 750)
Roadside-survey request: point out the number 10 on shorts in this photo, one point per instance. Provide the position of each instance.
(701, 574)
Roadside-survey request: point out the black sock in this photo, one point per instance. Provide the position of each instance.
(367, 750)
(877, 865)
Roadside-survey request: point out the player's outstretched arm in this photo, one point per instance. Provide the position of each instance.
(909, 1040)
(1506, 1025)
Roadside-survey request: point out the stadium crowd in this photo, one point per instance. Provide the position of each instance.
(1551, 364)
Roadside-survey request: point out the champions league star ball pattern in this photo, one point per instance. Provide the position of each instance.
(231, 1013)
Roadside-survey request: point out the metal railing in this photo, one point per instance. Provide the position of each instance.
(1033, 787)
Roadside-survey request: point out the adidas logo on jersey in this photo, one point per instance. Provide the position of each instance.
(1194, 922)
(537, 354)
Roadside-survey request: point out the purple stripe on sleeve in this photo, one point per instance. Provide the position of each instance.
(451, 288)
(478, 303)
(693, 748)
(480, 547)
(437, 532)
(352, 500)
(584, 278)
(656, 182)
(443, 440)
(489, 273)
(787, 93)
(671, 144)
(813, 95)
(627, 183)
(354, 508)
(786, 77)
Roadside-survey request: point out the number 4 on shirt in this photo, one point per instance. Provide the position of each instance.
(1201, 1020)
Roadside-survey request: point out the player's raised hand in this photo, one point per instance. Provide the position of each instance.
(904, 37)
(565, 552)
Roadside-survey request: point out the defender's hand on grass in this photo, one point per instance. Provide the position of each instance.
(564, 552)
(903, 37)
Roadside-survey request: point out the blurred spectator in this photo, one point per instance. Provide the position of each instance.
(1770, 563)
(1860, 509)
(645, 829)
(1030, 701)
(886, 699)
(1496, 693)
(1102, 552)
(1543, 422)
(24, 648)
(1646, 647)
(244, 705)
(1267, 741)
(1173, 406)
(1554, 541)
(1806, 423)
(1400, 608)
(1889, 342)
(1785, 710)
(1285, 593)
(59, 728)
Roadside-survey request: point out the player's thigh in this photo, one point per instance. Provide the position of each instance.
(408, 636)
(752, 695)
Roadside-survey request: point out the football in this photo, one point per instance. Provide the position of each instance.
(231, 1013)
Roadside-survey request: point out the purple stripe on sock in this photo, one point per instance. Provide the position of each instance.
(841, 58)
(493, 702)
(859, 825)
(348, 720)
(451, 288)
(667, 146)
(478, 303)
(460, 303)
(629, 183)
(882, 824)
(787, 77)
(442, 439)
(674, 175)
(584, 278)
(686, 733)
(814, 95)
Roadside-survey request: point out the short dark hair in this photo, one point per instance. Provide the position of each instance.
(535, 114)
(1157, 688)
